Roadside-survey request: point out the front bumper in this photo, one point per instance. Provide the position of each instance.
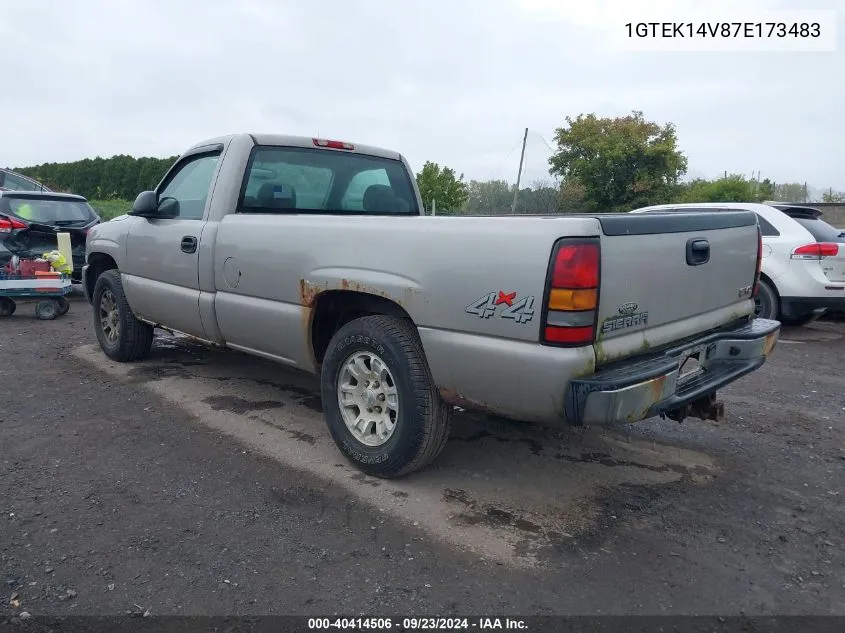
(652, 385)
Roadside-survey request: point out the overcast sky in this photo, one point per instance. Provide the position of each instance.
(455, 81)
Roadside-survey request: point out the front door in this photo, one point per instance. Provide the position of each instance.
(161, 278)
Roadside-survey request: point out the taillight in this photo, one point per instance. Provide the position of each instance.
(759, 269)
(573, 294)
(817, 250)
(7, 225)
(319, 142)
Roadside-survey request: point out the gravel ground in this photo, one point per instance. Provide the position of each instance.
(202, 482)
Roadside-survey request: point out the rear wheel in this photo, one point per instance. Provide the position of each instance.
(121, 335)
(7, 307)
(766, 302)
(64, 305)
(381, 405)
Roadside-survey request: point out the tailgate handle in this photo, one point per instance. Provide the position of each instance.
(698, 251)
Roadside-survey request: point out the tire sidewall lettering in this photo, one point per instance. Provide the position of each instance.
(360, 339)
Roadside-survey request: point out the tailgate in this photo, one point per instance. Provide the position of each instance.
(833, 266)
(669, 276)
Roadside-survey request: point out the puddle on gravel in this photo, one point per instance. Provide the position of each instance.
(238, 405)
(508, 491)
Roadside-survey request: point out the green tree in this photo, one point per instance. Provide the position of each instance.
(790, 192)
(118, 177)
(833, 196)
(488, 197)
(571, 196)
(541, 197)
(621, 163)
(440, 185)
(766, 190)
(733, 188)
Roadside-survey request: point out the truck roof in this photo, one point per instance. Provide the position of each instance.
(298, 141)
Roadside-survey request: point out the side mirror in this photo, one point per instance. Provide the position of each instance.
(146, 205)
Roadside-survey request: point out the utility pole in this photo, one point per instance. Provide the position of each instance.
(519, 174)
(433, 206)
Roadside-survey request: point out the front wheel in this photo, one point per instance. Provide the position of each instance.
(122, 337)
(381, 405)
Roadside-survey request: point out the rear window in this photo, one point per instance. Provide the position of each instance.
(300, 180)
(42, 210)
(821, 230)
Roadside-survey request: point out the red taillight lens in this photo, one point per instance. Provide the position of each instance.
(8, 225)
(576, 266)
(319, 142)
(569, 335)
(817, 250)
(572, 298)
(759, 270)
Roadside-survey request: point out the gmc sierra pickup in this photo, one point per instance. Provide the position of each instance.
(318, 254)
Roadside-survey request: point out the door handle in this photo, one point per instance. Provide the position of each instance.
(189, 244)
(698, 251)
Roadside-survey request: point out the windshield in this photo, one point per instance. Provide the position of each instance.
(45, 210)
(295, 180)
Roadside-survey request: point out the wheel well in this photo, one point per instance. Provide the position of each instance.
(335, 308)
(98, 263)
(768, 280)
(771, 284)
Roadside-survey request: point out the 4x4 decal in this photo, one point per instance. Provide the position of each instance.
(520, 310)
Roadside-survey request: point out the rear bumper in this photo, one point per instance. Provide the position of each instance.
(644, 387)
(804, 305)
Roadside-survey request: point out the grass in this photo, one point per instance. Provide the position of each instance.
(108, 209)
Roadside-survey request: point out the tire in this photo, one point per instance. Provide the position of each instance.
(766, 304)
(64, 305)
(47, 309)
(121, 336)
(7, 307)
(420, 418)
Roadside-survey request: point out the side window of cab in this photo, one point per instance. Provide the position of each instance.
(186, 191)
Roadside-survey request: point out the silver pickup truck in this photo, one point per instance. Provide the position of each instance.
(318, 254)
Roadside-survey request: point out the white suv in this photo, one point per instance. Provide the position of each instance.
(803, 259)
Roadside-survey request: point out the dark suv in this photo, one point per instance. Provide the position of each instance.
(29, 221)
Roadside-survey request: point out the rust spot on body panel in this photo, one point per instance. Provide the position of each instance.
(308, 292)
(655, 388)
(653, 395)
(450, 396)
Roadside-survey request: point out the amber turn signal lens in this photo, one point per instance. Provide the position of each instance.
(573, 299)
